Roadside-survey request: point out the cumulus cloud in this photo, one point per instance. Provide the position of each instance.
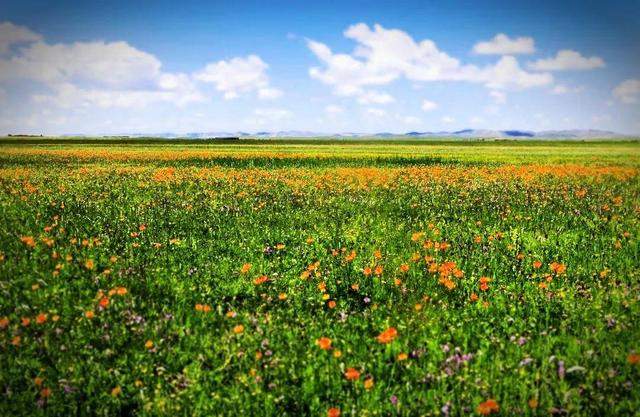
(501, 44)
(237, 76)
(384, 55)
(116, 74)
(11, 34)
(333, 109)
(566, 60)
(410, 120)
(376, 112)
(428, 105)
(563, 89)
(628, 91)
(508, 73)
(498, 97)
(374, 97)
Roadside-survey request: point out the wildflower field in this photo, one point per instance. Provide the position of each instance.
(319, 278)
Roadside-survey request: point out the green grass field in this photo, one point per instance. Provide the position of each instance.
(365, 278)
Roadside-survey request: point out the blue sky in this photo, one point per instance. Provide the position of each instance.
(83, 67)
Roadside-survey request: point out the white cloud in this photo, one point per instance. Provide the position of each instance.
(501, 44)
(566, 60)
(476, 120)
(333, 109)
(428, 105)
(116, 74)
(269, 93)
(108, 65)
(498, 97)
(374, 97)
(274, 114)
(627, 91)
(448, 119)
(237, 76)
(563, 89)
(67, 95)
(507, 73)
(376, 112)
(384, 55)
(11, 34)
(411, 120)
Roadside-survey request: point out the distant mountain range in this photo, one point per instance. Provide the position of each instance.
(575, 134)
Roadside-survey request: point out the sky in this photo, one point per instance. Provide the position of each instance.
(83, 67)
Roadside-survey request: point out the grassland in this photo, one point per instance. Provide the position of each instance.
(319, 278)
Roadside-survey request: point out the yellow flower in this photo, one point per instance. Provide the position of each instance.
(368, 383)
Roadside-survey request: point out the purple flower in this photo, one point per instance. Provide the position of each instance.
(366, 300)
(393, 399)
(526, 361)
(522, 340)
(445, 410)
(445, 348)
(561, 369)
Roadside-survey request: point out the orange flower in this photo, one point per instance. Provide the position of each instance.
(282, 296)
(368, 383)
(26, 321)
(28, 240)
(116, 391)
(388, 336)
(4, 322)
(238, 329)
(558, 268)
(89, 264)
(488, 407)
(533, 403)
(351, 256)
(260, 280)
(149, 344)
(245, 268)
(199, 307)
(404, 268)
(366, 271)
(324, 343)
(378, 270)
(633, 358)
(333, 412)
(331, 304)
(15, 341)
(305, 275)
(402, 357)
(337, 353)
(89, 314)
(38, 381)
(484, 283)
(104, 302)
(355, 287)
(41, 318)
(377, 254)
(121, 291)
(397, 281)
(45, 392)
(352, 374)
(417, 236)
(473, 297)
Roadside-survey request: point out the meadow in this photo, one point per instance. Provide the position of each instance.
(365, 278)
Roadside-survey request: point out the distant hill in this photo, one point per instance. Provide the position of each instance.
(574, 134)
